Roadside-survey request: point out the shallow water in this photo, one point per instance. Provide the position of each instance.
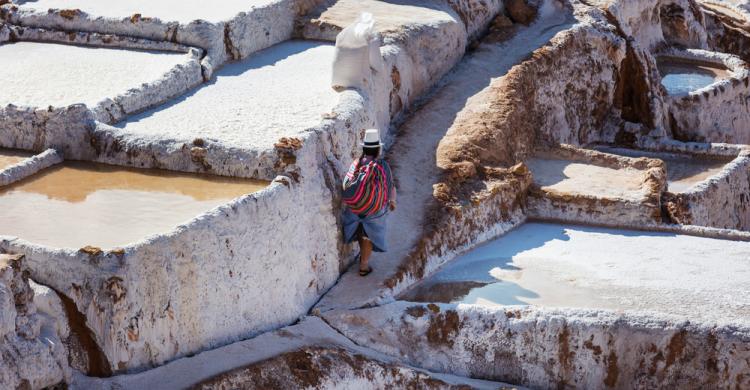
(555, 265)
(10, 157)
(682, 77)
(583, 178)
(77, 204)
(683, 171)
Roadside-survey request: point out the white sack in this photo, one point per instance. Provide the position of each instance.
(351, 62)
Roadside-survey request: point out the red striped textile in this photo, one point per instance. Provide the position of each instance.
(367, 187)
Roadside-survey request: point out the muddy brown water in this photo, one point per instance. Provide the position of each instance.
(10, 157)
(76, 204)
(683, 76)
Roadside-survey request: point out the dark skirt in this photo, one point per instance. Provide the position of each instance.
(373, 226)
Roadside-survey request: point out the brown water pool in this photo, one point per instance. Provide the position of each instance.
(76, 204)
(10, 157)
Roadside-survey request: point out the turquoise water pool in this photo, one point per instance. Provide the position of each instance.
(680, 77)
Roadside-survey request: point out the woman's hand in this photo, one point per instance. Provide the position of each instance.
(392, 205)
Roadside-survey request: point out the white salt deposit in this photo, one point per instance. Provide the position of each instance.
(45, 74)
(180, 11)
(277, 92)
(572, 266)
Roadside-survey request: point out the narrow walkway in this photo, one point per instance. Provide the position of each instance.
(413, 155)
(206, 368)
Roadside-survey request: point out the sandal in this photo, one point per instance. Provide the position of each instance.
(365, 272)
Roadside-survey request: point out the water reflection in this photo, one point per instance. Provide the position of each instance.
(10, 157)
(682, 77)
(683, 171)
(78, 204)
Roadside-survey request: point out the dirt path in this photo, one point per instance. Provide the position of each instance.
(413, 154)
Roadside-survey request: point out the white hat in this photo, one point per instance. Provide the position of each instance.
(372, 139)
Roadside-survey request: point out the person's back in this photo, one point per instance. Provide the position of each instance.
(369, 193)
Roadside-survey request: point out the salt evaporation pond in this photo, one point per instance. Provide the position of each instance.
(10, 157)
(77, 204)
(183, 11)
(47, 74)
(683, 171)
(584, 267)
(682, 77)
(582, 178)
(277, 92)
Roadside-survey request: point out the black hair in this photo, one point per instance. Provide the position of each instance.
(372, 152)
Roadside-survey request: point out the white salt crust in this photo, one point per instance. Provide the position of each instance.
(45, 74)
(166, 10)
(277, 92)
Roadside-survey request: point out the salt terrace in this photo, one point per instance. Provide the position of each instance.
(573, 209)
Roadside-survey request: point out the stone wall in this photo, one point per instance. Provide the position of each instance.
(32, 355)
(554, 348)
(531, 104)
(726, 27)
(494, 210)
(654, 23)
(237, 38)
(723, 201)
(160, 298)
(29, 167)
(416, 53)
(715, 113)
(601, 209)
(325, 368)
(308, 354)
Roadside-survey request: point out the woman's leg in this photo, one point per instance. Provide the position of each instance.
(365, 250)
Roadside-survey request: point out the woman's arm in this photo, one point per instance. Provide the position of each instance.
(392, 195)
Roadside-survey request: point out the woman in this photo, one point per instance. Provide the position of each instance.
(369, 193)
